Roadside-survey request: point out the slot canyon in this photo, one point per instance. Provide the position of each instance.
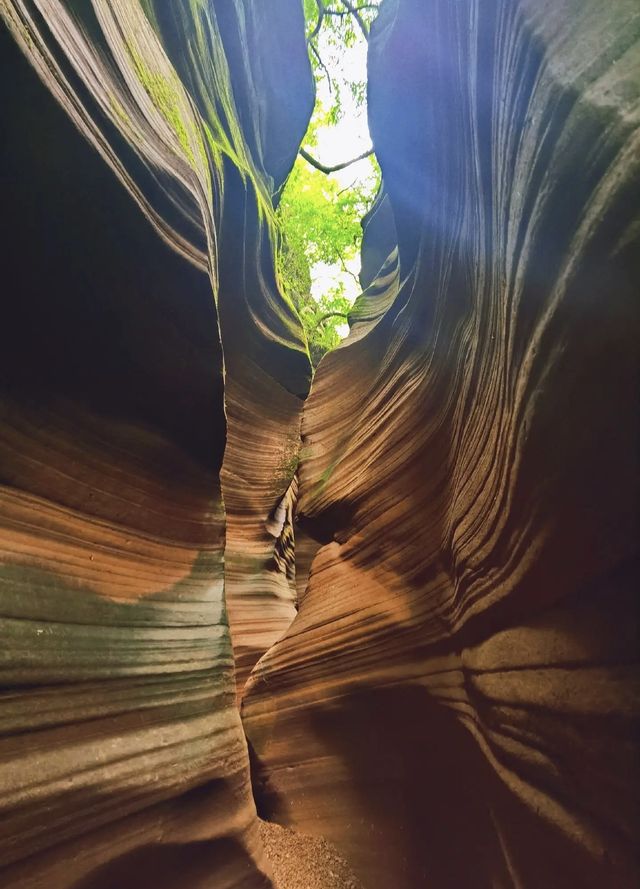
(389, 604)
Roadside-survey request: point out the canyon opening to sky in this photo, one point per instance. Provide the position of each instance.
(319, 487)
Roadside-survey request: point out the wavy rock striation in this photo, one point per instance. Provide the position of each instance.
(455, 703)
(143, 337)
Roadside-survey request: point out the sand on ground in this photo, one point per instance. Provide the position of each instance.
(303, 862)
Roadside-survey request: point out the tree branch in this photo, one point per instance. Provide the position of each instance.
(342, 13)
(318, 25)
(350, 9)
(314, 50)
(334, 169)
(348, 270)
(354, 12)
(329, 315)
(347, 187)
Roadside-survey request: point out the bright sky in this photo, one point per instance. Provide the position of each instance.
(349, 138)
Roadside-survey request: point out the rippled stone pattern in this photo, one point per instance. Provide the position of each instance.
(456, 703)
(142, 338)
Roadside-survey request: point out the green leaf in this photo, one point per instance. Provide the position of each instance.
(319, 219)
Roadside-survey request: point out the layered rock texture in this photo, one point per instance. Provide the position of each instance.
(456, 703)
(142, 338)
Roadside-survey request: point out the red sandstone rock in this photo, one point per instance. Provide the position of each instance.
(455, 704)
(122, 758)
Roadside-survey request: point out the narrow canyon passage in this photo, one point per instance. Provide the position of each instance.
(308, 583)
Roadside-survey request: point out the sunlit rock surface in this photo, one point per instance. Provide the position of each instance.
(456, 703)
(122, 759)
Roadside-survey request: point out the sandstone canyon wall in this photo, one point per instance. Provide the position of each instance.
(142, 336)
(456, 702)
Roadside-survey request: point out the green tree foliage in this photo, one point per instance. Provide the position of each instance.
(319, 218)
(332, 27)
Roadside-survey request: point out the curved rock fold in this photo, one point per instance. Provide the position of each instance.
(144, 339)
(416, 576)
(455, 703)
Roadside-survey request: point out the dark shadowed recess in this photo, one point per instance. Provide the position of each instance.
(163, 864)
(96, 309)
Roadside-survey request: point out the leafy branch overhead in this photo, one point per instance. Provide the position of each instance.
(360, 12)
(340, 28)
(321, 225)
(336, 167)
(319, 213)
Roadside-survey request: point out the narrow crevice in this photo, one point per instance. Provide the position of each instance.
(335, 180)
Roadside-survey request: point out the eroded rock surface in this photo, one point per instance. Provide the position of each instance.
(142, 338)
(456, 703)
